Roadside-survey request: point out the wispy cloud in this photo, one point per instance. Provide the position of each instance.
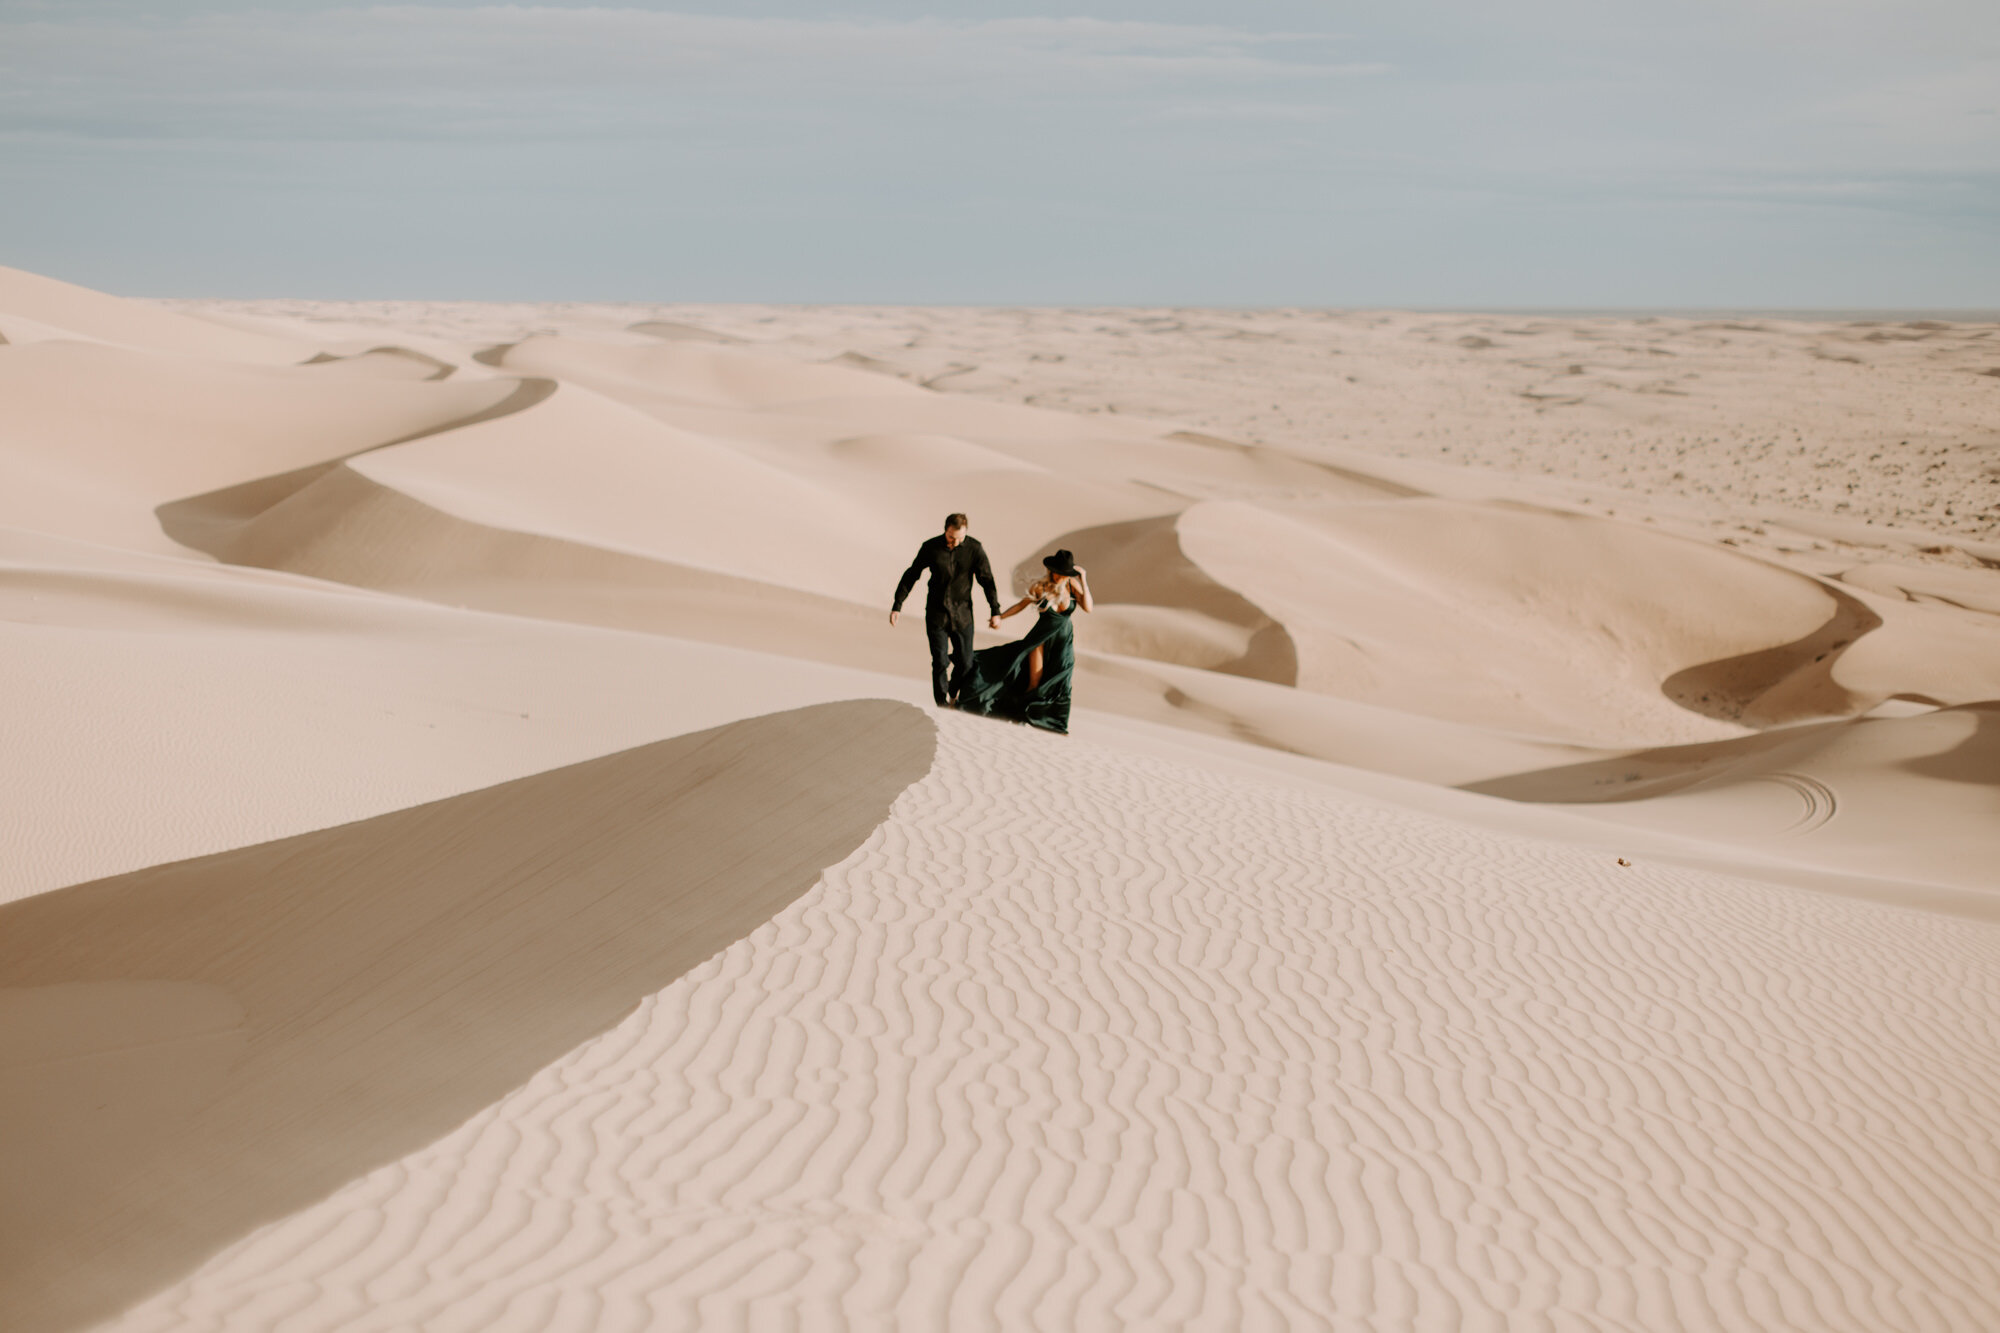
(1438, 140)
(494, 69)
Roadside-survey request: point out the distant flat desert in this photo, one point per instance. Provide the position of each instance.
(478, 856)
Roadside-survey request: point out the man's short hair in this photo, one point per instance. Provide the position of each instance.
(956, 521)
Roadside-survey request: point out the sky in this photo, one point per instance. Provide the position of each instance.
(1556, 153)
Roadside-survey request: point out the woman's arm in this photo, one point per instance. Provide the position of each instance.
(1082, 590)
(1024, 603)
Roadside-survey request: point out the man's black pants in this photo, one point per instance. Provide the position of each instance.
(951, 656)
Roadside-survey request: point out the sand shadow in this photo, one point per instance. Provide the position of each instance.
(194, 1050)
(1665, 770)
(1789, 683)
(1140, 562)
(436, 369)
(345, 527)
(1643, 774)
(211, 521)
(1974, 760)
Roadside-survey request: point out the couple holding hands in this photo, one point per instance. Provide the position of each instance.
(1027, 680)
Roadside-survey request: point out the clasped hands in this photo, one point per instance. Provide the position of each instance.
(992, 622)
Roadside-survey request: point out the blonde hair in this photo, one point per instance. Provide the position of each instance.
(1045, 589)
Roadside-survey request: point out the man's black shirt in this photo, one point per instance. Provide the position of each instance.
(952, 569)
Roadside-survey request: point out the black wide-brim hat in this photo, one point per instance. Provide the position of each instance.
(1062, 562)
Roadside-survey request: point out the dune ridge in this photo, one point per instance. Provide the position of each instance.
(50, 310)
(391, 978)
(83, 462)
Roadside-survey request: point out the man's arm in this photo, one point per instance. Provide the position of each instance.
(908, 581)
(982, 569)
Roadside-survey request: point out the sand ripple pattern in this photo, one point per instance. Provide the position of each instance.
(1086, 1040)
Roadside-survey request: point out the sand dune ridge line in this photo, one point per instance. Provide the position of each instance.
(212, 521)
(395, 976)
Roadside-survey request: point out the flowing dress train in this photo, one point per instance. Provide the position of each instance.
(997, 685)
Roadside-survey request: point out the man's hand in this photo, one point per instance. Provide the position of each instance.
(894, 616)
(993, 622)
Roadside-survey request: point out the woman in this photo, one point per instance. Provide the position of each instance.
(1028, 680)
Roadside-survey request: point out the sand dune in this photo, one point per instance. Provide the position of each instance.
(1742, 421)
(1934, 653)
(33, 307)
(347, 527)
(92, 464)
(396, 363)
(584, 467)
(1523, 856)
(163, 709)
(366, 988)
(1915, 796)
(1972, 589)
(1551, 623)
(1114, 1069)
(672, 331)
(697, 373)
(922, 455)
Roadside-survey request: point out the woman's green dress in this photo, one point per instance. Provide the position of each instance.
(997, 685)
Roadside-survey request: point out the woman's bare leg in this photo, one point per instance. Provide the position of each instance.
(1035, 667)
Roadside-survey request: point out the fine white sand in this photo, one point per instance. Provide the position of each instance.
(478, 856)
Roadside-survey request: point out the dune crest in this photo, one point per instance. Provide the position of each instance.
(85, 463)
(51, 308)
(397, 975)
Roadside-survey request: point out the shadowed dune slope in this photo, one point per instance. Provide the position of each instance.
(348, 528)
(587, 468)
(1548, 623)
(162, 708)
(1913, 797)
(213, 519)
(289, 1015)
(81, 460)
(1155, 602)
(1773, 686)
(388, 363)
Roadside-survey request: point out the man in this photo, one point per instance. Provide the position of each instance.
(954, 560)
